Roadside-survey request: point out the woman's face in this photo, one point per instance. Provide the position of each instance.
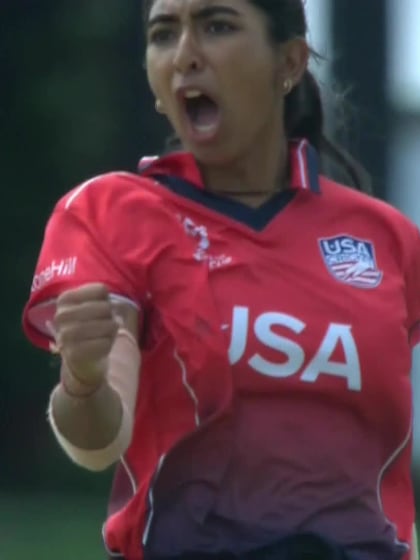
(218, 78)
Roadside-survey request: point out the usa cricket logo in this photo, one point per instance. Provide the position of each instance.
(351, 260)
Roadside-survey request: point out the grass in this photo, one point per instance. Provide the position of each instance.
(51, 527)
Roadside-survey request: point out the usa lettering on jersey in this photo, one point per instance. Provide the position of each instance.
(309, 367)
(351, 260)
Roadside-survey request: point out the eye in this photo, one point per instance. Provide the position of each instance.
(161, 36)
(219, 27)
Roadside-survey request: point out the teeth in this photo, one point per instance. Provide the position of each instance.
(192, 93)
(205, 127)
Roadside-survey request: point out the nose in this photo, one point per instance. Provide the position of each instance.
(188, 58)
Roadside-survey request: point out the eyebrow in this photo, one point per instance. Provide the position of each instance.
(204, 13)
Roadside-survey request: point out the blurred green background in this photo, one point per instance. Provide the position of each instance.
(74, 103)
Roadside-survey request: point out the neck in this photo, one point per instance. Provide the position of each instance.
(253, 177)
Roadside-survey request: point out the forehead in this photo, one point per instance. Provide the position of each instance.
(179, 6)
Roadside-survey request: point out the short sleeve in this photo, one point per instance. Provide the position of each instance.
(117, 230)
(413, 288)
(95, 234)
(69, 257)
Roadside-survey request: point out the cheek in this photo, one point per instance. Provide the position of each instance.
(150, 73)
(249, 74)
(156, 76)
(254, 91)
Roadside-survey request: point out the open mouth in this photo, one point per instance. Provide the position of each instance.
(203, 113)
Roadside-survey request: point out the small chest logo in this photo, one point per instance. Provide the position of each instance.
(203, 250)
(199, 233)
(351, 260)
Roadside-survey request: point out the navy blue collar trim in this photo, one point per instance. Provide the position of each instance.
(254, 218)
(312, 166)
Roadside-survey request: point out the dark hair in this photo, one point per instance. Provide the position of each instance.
(304, 112)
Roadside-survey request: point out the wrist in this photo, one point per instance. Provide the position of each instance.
(75, 387)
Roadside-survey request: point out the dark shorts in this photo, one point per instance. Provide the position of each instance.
(296, 547)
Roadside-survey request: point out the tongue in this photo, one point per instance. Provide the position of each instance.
(203, 112)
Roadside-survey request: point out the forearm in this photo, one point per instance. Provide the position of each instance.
(88, 423)
(96, 430)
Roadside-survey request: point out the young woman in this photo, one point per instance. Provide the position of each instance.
(268, 312)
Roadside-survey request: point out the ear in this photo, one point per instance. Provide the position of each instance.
(293, 60)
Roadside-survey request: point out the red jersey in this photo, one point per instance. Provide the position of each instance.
(316, 298)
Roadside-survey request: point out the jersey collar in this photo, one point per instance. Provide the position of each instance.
(303, 161)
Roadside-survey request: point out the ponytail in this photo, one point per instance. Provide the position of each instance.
(303, 112)
(304, 118)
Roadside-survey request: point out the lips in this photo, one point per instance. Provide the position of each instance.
(202, 113)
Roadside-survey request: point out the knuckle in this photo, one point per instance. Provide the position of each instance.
(97, 290)
(65, 336)
(105, 305)
(102, 289)
(85, 292)
(65, 297)
(61, 314)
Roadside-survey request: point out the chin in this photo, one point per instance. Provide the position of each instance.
(211, 155)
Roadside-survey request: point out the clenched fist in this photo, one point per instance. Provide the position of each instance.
(85, 329)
